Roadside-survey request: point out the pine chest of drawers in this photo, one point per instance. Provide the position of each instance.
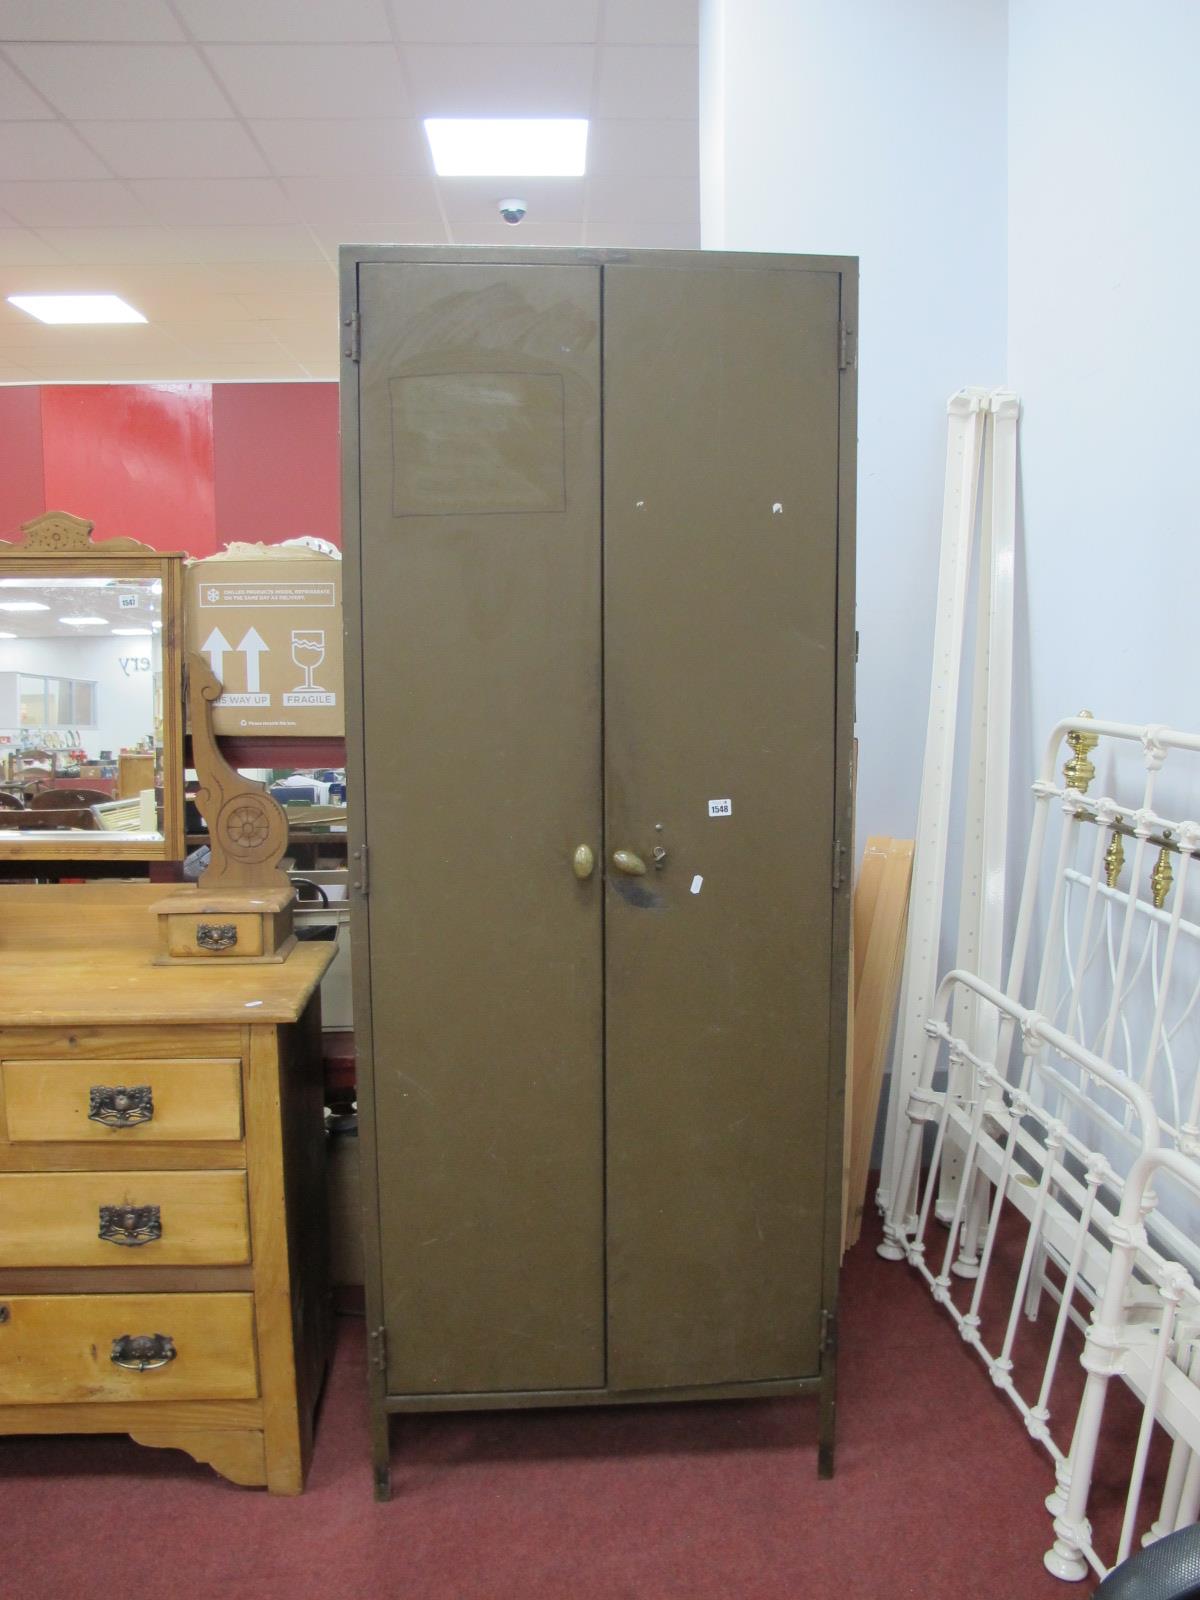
(163, 1237)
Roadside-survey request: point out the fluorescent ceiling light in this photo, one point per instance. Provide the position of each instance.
(9, 636)
(156, 624)
(508, 147)
(83, 622)
(22, 605)
(75, 307)
(132, 633)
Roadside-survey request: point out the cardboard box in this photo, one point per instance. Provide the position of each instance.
(269, 619)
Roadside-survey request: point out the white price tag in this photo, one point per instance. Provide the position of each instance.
(720, 808)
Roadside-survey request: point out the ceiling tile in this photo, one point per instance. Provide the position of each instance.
(287, 242)
(644, 199)
(304, 338)
(335, 21)
(548, 200)
(632, 147)
(196, 202)
(284, 304)
(500, 81)
(67, 205)
(645, 235)
(135, 20)
(331, 200)
(327, 149)
(662, 22)
(117, 246)
(227, 337)
(19, 248)
(175, 149)
(648, 81)
(130, 342)
(45, 150)
(527, 235)
(347, 80)
(255, 277)
(17, 99)
(485, 22)
(279, 368)
(378, 230)
(109, 80)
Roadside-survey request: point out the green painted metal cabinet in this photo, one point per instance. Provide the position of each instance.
(599, 512)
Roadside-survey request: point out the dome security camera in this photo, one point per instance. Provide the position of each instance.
(513, 211)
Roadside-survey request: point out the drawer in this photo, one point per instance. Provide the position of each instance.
(59, 1349)
(148, 1101)
(206, 937)
(123, 1219)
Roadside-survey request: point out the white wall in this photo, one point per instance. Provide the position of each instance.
(870, 128)
(1103, 340)
(124, 695)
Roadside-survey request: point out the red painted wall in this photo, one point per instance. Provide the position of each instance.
(136, 459)
(182, 466)
(22, 483)
(276, 468)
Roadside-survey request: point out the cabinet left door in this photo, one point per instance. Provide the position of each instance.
(480, 560)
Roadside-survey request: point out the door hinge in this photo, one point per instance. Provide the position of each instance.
(839, 852)
(378, 1344)
(847, 347)
(828, 1333)
(362, 884)
(352, 335)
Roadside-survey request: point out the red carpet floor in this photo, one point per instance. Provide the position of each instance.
(938, 1495)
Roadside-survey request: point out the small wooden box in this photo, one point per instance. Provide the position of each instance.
(244, 925)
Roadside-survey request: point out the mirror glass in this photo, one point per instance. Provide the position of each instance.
(81, 709)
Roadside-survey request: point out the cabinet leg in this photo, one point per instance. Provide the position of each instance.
(827, 1435)
(381, 1452)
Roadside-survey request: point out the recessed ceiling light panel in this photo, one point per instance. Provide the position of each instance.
(83, 622)
(75, 307)
(508, 147)
(22, 605)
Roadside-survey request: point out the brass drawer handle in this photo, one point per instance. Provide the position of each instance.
(216, 935)
(120, 1107)
(130, 1225)
(143, 1352)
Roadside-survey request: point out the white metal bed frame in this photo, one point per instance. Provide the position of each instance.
(1051, 1141)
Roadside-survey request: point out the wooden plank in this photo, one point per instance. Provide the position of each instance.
(124, 1417)
(272, 1269)
(220, 1156)
(102, 986)
(54, 1219)
(879, 960)
(48, 1100)
(56, 1349)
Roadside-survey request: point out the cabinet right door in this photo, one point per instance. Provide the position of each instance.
(720, 654)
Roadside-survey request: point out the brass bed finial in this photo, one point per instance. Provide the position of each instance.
(1078, 772)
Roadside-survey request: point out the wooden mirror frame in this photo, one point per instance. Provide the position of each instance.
(59, 545)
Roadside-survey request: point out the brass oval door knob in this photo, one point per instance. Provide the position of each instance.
(583, 862)
(626, 861)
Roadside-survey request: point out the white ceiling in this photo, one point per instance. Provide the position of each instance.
(205, 158)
